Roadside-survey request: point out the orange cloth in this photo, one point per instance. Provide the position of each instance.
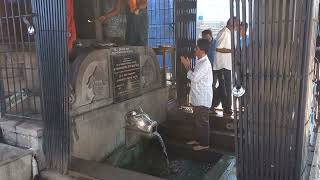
(133, 5)
(71, 24)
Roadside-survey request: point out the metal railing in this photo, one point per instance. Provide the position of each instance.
(19, 71)
(161, 36)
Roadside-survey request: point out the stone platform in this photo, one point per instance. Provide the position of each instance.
(15, 163)
(24, 134)
(179, 127)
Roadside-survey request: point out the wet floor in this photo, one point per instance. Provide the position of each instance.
(188, 170)
(184, 164)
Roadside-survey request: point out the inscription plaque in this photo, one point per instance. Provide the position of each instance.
(125, 73)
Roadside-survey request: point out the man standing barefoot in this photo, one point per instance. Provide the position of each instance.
(200, 93)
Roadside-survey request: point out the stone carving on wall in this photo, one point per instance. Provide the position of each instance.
(94, 84)
(148, 73)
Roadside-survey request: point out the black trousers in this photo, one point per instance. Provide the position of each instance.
(223, 92)
(201, 117)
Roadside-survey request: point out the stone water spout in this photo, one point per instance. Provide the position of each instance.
(140, 124)
(139, 121)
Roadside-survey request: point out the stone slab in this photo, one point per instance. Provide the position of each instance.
(15, 163)
(24, 134)
(20, 126)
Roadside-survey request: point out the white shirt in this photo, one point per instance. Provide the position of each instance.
(201, 83)
(223, 60)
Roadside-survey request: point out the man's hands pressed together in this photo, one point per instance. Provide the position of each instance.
(186, 62)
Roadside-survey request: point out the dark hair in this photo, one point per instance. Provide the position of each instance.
(204, 45)
(231, 20)
(207, 32)
(244, 24)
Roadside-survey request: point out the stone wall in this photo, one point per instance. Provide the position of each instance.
(99, 132)
(97, 121)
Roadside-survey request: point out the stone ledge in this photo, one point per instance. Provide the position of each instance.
(15, 163)
(24, 134)
(20, 126)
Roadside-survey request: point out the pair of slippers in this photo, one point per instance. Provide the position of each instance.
(197, 146)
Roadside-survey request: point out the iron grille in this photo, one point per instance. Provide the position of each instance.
(19, 70)
(185, 35)
(272, 63)
(161, 32)
(161, 22)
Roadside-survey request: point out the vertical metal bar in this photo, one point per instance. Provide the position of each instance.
(52, 49)
(279, 83)
(273, 89)
(2, 88)
(259, 132)
(30, 56)
(267, 125)
(303, 88)
(294, 84)
(261, 81)
(17, 58)
(253, 122)
(23, 54)
(248, 117)
(283, 79)
(237, 121)
(286, 92)
(299, 122)
(10, 46)
(4, 108)
(272, 151)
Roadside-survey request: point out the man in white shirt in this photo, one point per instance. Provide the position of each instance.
(222, 66)
(200, 93)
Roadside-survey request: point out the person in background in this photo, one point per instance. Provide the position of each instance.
(200, 93)
(243, 33)
(72, 34)
(207, 34)
(137, 20)
(222, 66)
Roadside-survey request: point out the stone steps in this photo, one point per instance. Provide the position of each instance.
(180, 126)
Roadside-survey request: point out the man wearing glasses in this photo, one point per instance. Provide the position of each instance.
(200, 93)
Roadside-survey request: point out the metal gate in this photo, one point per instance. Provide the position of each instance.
(34, 71)
(51, 37)
(19, 75)
(273, 65)
(185, 35)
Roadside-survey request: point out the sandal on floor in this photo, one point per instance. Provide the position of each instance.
(193, 143)
(200, 148)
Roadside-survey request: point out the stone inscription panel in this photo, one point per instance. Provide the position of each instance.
(125, 73)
